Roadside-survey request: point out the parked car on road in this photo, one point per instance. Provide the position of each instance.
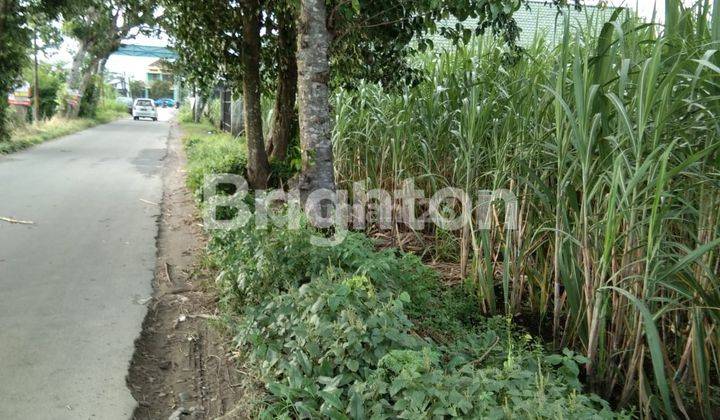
(144, 108)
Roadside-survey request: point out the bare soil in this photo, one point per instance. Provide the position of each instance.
(182, 367)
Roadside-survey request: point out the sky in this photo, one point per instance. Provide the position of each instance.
(644, 7)
(135, 67)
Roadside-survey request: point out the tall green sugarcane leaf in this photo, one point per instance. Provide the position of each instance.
(655, 345)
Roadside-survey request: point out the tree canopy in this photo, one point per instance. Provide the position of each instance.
(369, 40)
(99, 32)
(16, 40)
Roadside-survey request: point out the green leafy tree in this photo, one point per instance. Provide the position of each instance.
(372, 40)
(17, 19)
(220, 41)
(367, 39)
(46, 36)
(50, 80)
(137, 89)
(14, 40)
(99, 32)
(161, 89)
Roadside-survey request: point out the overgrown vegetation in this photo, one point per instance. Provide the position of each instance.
(211, 151)
(351, 331)
(15, 42)
(610, 142)
(51, 80)
(214, 147)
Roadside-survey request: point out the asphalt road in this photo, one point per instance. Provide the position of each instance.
(73, 285)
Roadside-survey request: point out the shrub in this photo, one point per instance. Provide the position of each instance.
(161, 89)
(50, 79)
(413, 384)
(185, 114)
(312, 343)
(351, 331)
(330, 342)
(257, 263)
(89, 101)
(212, 154)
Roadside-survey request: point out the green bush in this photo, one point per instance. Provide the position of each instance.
(214, 153)
(341, 331)
(413, 384)
(161, 89)
(185, 114)
(51, 80)
(89, 101)
(213, 112)
(260, 262)
(137, 89)
(312, 343)
(328, 328)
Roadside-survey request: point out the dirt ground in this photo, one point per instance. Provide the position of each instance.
(182, 368)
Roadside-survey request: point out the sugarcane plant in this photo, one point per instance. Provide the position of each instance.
(610, 140)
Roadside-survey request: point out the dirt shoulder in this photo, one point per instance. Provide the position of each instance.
(182, 368)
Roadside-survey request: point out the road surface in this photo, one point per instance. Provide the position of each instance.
(74, 284)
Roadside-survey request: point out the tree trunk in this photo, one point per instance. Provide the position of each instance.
(5, 84)
(36, 83)
(74, 79)
(237, 120)
(313, 99)
(284, 119)
(258, 166)
(198, 107)
(87, 77)
(195, 105)
(4, 133)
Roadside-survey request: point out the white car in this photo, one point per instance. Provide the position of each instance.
(144, 108)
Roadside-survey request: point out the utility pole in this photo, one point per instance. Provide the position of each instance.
(36, 82)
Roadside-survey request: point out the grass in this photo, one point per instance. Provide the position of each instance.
(32, 134)
(211, 152)
(610, 141)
